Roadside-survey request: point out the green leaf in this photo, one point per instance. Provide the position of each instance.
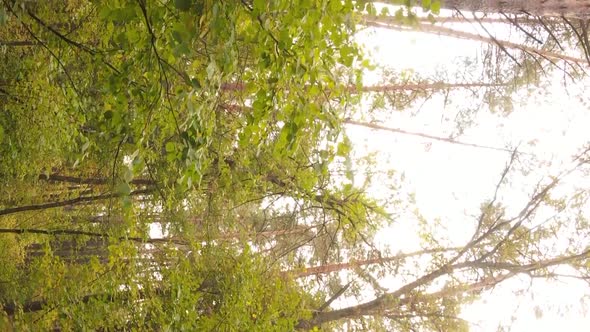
(86, 145)
(170, 147)
(177, 36)
(343, 148)
(3, 16)
(399, 15)
(127, 175)
(259, 6)
(123, 188)
(371, 10)
(183, 5)
(435, 7)
(211, 69)
(123, 15)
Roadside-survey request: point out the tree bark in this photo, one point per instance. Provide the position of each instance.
(389, 23)
(402, 296)
(568, 8)
(328, 268)
(76, 180)
(18, 43)
(72, 232)
(427, 136)
(368, 307)
(68, 202)
(394, 87)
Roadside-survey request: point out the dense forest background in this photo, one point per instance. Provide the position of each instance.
(197, 165)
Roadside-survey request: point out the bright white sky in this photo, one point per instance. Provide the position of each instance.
(451, 181)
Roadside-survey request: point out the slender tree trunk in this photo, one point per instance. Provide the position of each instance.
(69, 202)
(239, 108)
(434, 29)
(18, 43)
(33, 306)
(394, 87)
(427, 136)
(59, 232)
(489, 20)
(569, 8)
(71, 251)
(368, 308)
(324, 269)
(402, 295)
(76, 180)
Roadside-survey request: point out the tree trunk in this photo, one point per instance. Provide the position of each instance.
(76, 180)
(395, 86)
(568, 8)
(386, 303)
(423, 135)
(73, 201)
(329, 268)
(389, 23)
(18, 43)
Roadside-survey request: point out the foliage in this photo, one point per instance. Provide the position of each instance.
(172, 112)
(183, 165)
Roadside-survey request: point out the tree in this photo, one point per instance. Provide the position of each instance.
(574, 15)
(544, 45)
(189, 168)
(579, 9)
(546, 8)
(128, 129)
